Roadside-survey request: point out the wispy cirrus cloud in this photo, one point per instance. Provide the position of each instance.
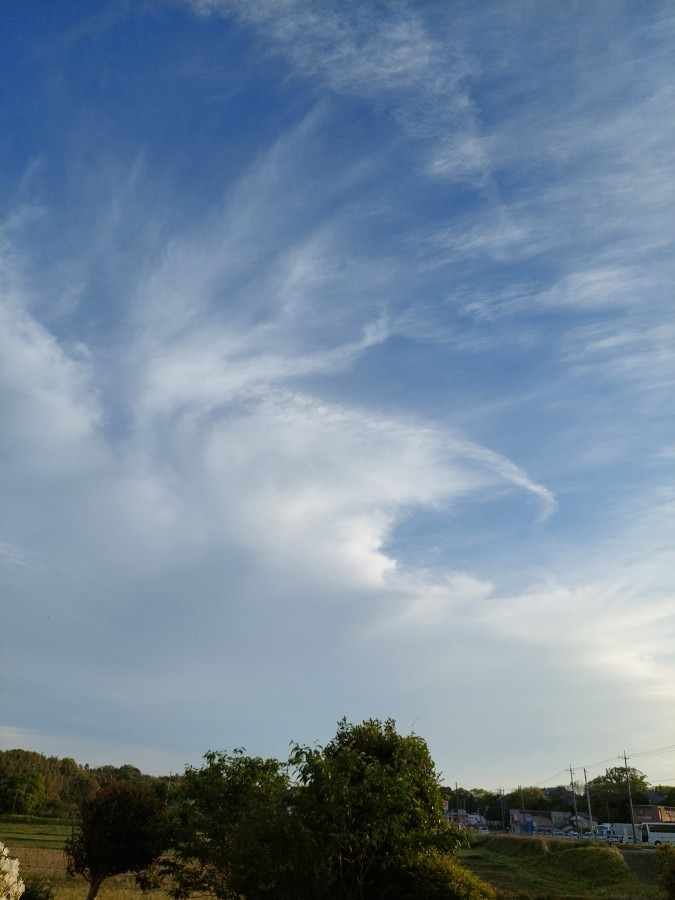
(339, 362)
(384, 55)
(203, 356)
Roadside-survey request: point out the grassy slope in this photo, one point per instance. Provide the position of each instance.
(536, 868)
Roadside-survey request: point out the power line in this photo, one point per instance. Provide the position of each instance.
(604, 762)
(670, 749)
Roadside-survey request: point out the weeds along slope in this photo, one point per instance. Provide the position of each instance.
(600, 865)
(545, 867)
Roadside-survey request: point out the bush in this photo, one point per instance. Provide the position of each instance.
(436, 876)
(38, 889)
(596, 865)
(665, 855)
(518, 846)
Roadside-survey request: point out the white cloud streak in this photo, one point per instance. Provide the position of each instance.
(214, 482)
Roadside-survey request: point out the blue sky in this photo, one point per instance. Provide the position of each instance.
(338, 378)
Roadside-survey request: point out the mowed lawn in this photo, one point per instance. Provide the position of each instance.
(42, 833)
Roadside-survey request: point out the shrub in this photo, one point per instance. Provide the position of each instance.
(436, 876)
(596, 865)
(38, 889)
(665, 855)
(518, 846)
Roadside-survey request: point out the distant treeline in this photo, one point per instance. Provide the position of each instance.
(36, 785)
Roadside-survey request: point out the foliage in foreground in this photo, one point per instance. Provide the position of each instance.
(231, 834)
(437, 876)
(11, 883)
(38, 889)
(360, 818)
(666, 860)
(371, 800)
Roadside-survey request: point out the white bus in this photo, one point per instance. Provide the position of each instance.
(658, 833)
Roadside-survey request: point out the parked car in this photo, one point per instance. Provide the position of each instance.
(483, 830)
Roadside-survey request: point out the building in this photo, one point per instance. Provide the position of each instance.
(544, 821)
(536, 821)
(653, 813)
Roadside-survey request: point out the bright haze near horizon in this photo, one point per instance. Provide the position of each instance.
(338, 380)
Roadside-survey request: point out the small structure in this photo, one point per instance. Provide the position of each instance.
(535, 821)
(544, 821)
(653, 813)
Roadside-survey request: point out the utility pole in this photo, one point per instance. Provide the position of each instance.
(630, 796)
(522, 802)
(588, 803)
(574, 797)
(501, 800)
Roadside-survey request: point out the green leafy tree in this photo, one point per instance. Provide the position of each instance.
(527, 798)
(231, 836)
(362, 817)
(122, 829)
(609, 792)
(477, 800)
(561, 798)
(52, 786)
(371, 802)
(666, 794)
(22, 793)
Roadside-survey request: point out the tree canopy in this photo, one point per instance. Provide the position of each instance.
(122, 829)
(372, 799)
(359, 818)
(231, 831)
(609, 792)
(34, 784)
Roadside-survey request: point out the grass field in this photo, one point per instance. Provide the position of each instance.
(38, 845)
(44, 834)
(560, 870)
(40, 865)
